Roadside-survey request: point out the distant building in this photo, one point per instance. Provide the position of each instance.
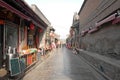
(73, 38)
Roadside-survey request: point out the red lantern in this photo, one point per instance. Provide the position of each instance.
(32, 26)
(40, 30)
(2, 22)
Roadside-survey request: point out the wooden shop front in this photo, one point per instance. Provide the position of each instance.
(19, 39)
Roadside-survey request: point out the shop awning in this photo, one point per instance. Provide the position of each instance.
(116, 20)
(109, 18)
(12, 9)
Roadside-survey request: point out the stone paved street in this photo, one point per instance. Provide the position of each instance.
(63, 65)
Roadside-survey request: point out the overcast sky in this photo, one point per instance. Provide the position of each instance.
(59, 13)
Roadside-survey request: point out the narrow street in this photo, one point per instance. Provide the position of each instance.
(32, 32)
(63, 65)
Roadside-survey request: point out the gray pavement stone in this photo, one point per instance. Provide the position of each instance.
(62, 65)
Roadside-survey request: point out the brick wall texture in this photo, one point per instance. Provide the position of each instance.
(106, 41)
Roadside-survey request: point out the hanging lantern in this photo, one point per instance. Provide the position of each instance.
(2, 22)
(40, 30)
(32, 26)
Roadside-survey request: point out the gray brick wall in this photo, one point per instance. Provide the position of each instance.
(106, 41)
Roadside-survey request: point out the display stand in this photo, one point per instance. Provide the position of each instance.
(28, 58)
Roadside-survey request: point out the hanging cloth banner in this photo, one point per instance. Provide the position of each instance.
(116, 20)
(109, 18)
(93, 30)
